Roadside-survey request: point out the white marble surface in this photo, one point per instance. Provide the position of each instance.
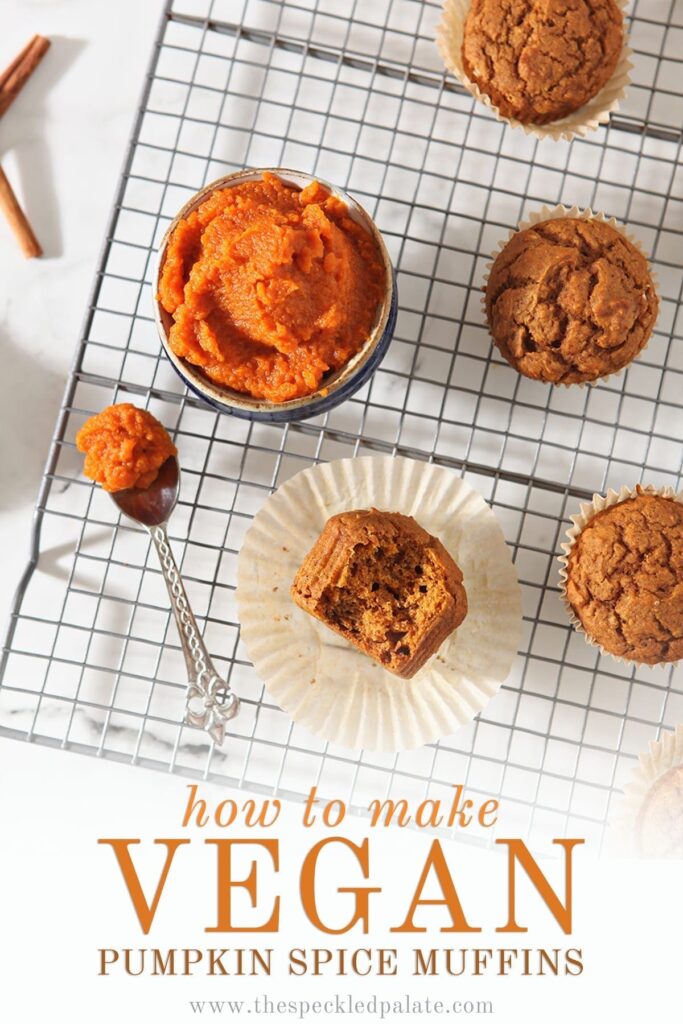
(70, 128)
(62, 145)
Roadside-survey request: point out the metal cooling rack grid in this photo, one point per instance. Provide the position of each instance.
(92, 663)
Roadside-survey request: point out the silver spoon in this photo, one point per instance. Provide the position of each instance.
(210, 702)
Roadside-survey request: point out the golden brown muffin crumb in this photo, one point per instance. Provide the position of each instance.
(539, 60)
(385, 584)
(625, 579)
(570, 300)
(660, 823)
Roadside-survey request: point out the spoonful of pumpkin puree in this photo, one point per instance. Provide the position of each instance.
(131, 455)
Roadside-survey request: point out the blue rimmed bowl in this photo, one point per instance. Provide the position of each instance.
(335, 387)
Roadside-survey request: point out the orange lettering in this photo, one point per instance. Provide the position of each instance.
(195, 805)
(436, 860)
(226, 883)
(143, 909)
(562, 912)
(362, 894)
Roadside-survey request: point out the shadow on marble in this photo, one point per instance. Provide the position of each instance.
(30, 402)
(57, 560)
(25, 133)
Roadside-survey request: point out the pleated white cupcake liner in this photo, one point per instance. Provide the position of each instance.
(589, 117)
(326, 684)
(559, 212)
(579, 521)
(661, 757)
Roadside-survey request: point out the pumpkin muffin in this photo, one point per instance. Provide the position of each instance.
(659, 827)
(570, 300)
(625, 579)
(385, 585)
(540, 60)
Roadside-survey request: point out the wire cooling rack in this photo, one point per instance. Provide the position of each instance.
(355, 92)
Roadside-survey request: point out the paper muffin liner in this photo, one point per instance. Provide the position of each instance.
(449, 39)
(579, 521)
(558, 212)
(662, 755)
(327, 685)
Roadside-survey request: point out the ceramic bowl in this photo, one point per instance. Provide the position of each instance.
(336, 386)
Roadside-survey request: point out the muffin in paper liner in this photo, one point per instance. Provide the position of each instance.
(574, 213)
(327, 685)
(449, 39)
(648, 820)
(586, 512)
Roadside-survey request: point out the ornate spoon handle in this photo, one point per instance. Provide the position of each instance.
(217, 703)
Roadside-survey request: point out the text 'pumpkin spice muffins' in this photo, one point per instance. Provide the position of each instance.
(570, 297)
(331, 687)
(555, 68)
(622, 574)
(649, 820)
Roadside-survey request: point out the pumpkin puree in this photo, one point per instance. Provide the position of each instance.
(270, 287)
(124, 447)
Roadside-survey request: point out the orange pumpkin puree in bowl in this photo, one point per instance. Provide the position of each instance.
(270, 287)
(124, 447)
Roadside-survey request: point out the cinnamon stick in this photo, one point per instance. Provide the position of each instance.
(12, 80)
(16, 218)
(16, 74)
(16, 62)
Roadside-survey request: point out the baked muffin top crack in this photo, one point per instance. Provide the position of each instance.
(625, 579)
(570, 300)
(539, 60)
